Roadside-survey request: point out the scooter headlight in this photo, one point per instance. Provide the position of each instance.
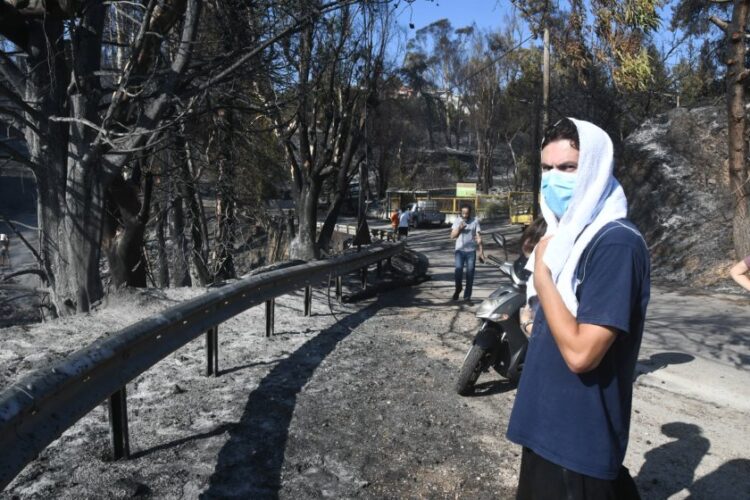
(490, 309)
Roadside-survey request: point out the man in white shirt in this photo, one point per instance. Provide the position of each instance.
(466, 232)
(403, 223)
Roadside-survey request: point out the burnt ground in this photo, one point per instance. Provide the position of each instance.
(358, 401)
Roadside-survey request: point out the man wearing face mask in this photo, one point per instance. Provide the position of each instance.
(592, 280)
(466, 232)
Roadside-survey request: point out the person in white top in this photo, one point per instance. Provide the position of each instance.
(4, 250)
(466, 232)
(403, 223)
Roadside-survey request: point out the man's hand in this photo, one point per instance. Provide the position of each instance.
(456, 231)
(541, 248)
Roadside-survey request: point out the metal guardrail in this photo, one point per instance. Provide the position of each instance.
(39, 408)
(349, 229)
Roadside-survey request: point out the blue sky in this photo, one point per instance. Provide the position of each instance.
(486, 14)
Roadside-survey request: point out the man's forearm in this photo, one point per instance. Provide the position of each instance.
(581, 346)
(742, 280)
(561, 323)
(739, 275)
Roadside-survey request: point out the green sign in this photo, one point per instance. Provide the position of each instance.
(466, 189)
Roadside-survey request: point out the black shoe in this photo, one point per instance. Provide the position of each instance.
(456, 293)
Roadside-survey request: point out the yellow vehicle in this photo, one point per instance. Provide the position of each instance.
(521, 207)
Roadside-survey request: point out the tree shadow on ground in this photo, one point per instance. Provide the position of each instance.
(661, 360)
(249, 464)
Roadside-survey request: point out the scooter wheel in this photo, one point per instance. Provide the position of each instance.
(470, 371)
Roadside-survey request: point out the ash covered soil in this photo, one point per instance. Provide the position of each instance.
(358, 401)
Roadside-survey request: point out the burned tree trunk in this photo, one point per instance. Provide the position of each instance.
(326, 232)
(736, 81)
(181, 270)
(303, 246)
(223, 261)
(198, 231)
(125, 229)
(162, 258)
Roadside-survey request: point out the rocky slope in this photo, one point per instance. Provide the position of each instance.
(675, 174)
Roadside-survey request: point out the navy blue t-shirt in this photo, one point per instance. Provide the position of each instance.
(581, 421)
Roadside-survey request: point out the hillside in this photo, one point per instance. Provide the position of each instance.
(675, 175)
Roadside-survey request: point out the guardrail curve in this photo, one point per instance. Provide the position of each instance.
(41, 406)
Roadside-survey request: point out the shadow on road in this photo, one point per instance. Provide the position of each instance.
(249, 465)
(661, 360)
(492, 388)
(730, 481)
(670, 468)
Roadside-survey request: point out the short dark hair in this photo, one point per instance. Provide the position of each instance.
(465, 205)
(562, 129)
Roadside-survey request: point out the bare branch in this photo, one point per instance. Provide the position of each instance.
(23, 272)
(16, 156)
(149, 120)
(724, 25)
(279, 36)
(19, 121)
(11, 72)
(21, 288)
(18, 101)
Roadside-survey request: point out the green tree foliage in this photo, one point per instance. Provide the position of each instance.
(613, 33)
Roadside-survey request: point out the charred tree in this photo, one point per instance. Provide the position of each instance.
(736, 79)
(78, 141)
(223, 261)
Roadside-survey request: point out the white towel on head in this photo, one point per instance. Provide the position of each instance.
(597, 200)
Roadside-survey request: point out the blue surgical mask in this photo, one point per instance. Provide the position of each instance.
(557, 189)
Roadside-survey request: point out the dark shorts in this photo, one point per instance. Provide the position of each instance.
(541, 479)
(403, 230)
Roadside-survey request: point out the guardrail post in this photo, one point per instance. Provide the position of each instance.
(339, 288)
(380, 268)
(308, 300)
(118, 422)
(364, 277)
(212, 351)
(270, 311)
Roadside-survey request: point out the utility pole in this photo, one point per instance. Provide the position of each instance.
(535, 177)
(535, 174)
(545, 77)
